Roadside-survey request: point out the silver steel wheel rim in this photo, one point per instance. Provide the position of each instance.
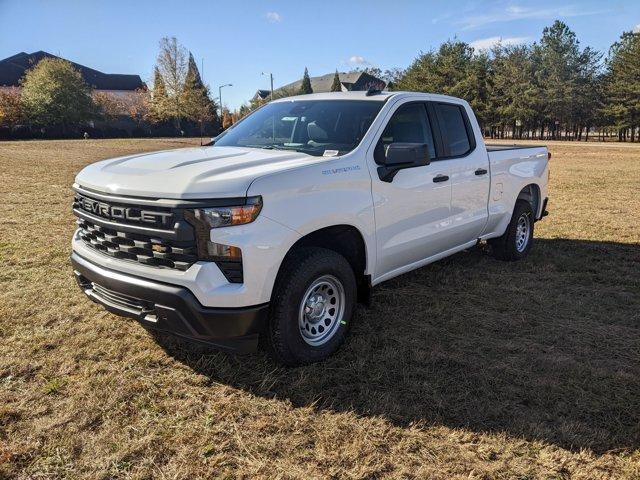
(321, 310)
(522, 232)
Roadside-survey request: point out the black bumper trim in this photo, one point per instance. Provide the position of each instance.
(170, 308)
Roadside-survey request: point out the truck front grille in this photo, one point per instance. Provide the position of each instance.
(138, 231)
(137, 247)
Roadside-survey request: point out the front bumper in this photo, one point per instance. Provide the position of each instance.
(170, 308)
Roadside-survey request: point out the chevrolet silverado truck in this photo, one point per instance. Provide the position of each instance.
(285, 221)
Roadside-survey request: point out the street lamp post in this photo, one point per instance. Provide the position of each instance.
(220, 96)
(271, 78)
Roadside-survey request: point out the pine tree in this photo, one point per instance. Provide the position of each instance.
(515, 97)
(193, 74)
(336, 86)
(160, 107)
(558, 54)
(195, 100)
(623, 84)
(452, 70)
(305, 87)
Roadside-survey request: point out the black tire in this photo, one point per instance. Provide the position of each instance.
(507, 247)
(301, 269)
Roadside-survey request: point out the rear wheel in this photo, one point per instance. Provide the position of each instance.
(312, 306)
(518, 239)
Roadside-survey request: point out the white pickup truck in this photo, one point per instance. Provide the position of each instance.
(289, 218)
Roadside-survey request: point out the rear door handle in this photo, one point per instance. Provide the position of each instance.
(481, 171)
(440, 178)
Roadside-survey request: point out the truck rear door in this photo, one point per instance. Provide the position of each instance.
(469, 174)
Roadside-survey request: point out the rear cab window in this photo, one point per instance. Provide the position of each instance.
(457, 136)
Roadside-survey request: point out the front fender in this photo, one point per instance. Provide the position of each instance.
(336, 192)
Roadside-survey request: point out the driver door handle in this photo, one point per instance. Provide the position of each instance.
(440, 178)
(481, 171)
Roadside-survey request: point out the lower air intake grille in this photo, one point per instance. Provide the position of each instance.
(121, 300)
(231, 270)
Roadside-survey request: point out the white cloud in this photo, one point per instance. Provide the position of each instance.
(441, 18)
(516, 12)
(636, 29)
(357, 60)
(274, 17)
(488, 43)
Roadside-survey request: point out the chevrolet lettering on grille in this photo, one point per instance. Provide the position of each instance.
(117, 212)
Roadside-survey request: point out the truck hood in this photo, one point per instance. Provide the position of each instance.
(189, 173)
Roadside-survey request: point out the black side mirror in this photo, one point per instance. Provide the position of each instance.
(397, 156)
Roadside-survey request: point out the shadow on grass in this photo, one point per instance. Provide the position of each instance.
(546, 349)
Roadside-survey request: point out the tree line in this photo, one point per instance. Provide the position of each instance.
(551, 89)
(54, 100)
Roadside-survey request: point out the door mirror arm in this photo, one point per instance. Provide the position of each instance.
(397, 156)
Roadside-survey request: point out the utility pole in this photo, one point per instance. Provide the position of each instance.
(220, 96)
(201, 78)
(271, 78)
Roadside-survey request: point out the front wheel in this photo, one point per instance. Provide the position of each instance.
(518, 239)
(312, 306)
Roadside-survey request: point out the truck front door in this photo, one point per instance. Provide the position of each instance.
(412, 212)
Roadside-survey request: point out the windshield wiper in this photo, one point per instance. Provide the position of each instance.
(267, 147)
(279, 147)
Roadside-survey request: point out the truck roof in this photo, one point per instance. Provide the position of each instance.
(362, 95)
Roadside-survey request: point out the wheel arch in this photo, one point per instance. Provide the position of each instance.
(531, 193)
(344, 239)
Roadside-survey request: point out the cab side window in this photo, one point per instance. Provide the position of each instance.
(409, 124)
(454, 129)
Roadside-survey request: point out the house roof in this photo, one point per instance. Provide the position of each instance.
(323, 83)
(13, 68)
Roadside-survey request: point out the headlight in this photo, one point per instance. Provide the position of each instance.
(228, 258)
(217, 217)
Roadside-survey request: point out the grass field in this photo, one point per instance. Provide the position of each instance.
(467, 368)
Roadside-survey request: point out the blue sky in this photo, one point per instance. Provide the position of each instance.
(240, 39)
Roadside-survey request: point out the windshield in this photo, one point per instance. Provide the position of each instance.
(316, 127)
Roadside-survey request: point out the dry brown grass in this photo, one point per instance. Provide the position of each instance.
(468, 368)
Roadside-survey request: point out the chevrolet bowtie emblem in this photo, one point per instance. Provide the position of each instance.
(159, 248)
